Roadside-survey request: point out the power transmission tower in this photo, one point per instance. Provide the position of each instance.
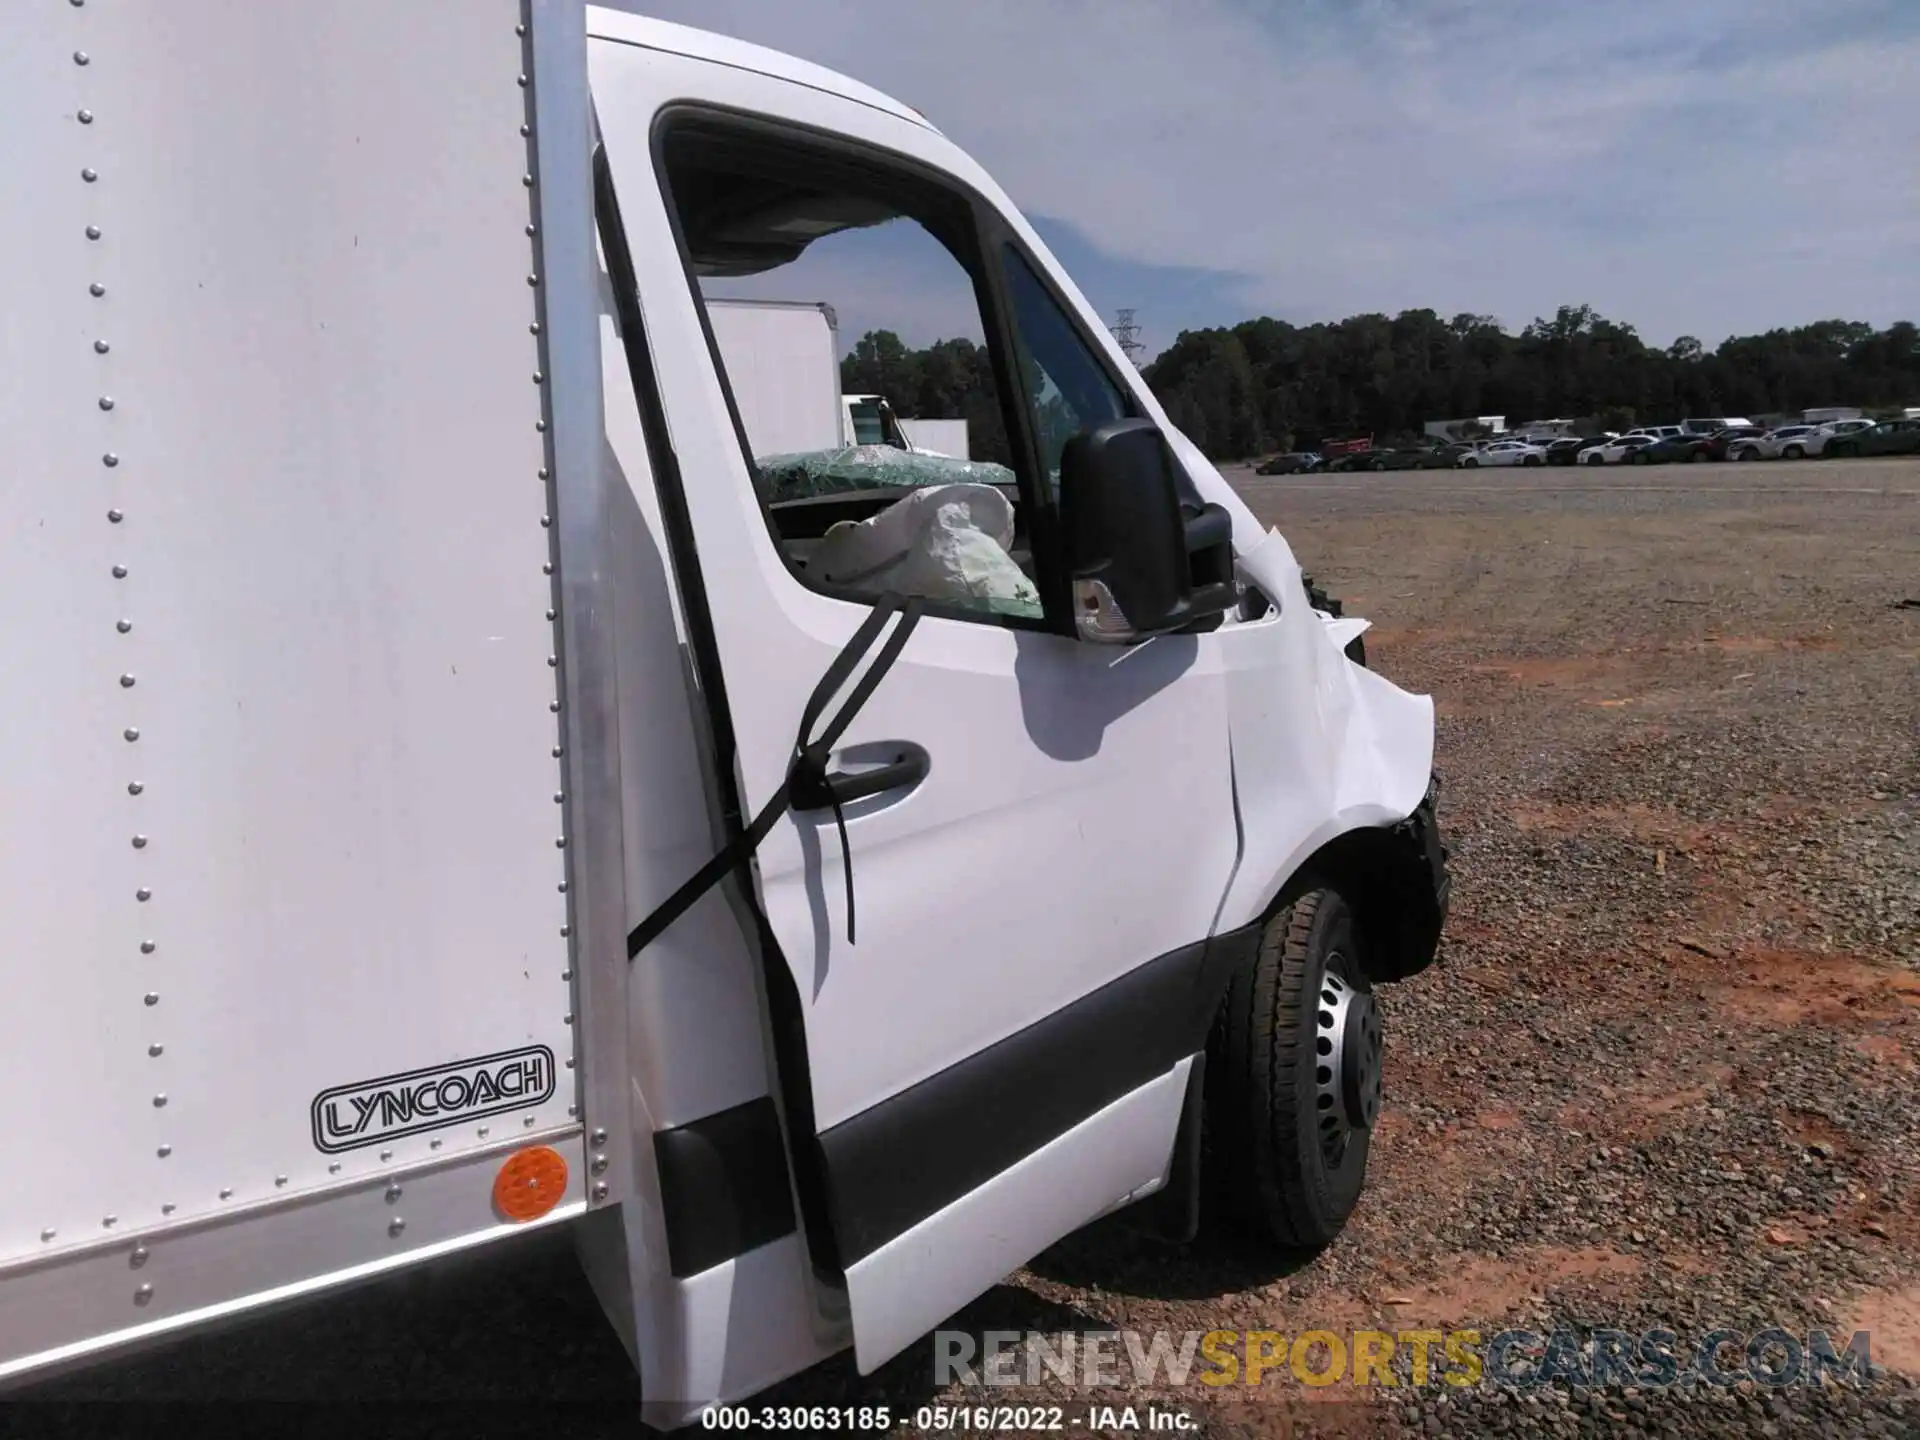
(1128, 334)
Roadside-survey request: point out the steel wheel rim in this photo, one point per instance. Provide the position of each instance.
(1347, 1053)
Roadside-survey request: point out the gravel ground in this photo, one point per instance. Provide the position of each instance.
(1667, 1075)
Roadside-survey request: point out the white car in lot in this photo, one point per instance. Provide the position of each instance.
(1789, 442)
(1816, 443)
(1659, 432)
(1503, 452)
(1615, 450)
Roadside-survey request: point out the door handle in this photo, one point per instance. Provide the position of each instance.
(806, 772)
(838, 788)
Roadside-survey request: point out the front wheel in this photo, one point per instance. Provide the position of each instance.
(1640, 457)
(1698, 456)
(1293, 1077)
(1470, 463)
(1596, 459)
(1531, 460)
(1795, 452)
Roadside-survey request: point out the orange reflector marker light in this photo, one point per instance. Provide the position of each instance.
(530, 1184)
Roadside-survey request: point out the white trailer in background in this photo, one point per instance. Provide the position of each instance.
(394, 627)
(783, 357)
(938, 437)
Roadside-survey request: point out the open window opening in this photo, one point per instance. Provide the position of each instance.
(851, 325)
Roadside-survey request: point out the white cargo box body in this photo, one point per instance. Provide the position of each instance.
(281, 887)
(784, 359)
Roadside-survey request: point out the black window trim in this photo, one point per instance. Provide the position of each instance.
(1011, 241)
(987, 231)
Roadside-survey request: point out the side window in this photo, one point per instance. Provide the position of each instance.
(1066, 387)
(845, 305)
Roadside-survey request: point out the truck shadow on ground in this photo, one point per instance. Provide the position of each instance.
(916, 1376)
(1110, 1256)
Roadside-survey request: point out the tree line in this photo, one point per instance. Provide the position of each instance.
(1265, 385)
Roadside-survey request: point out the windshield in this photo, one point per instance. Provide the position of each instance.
(869, 423)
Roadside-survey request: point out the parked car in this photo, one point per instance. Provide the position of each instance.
(1714, 424)
(1789, 442)
(1674, 449)
(1503, 452)
(1294, 462)
(1410, 457)
(1658, 432)
(1721, 441)
(1563, 451)
(1824, 435)
(1612, 452)
(1891, 437)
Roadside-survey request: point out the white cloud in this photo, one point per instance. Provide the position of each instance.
(1705, 168)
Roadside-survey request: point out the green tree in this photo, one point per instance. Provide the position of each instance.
(1265, 383)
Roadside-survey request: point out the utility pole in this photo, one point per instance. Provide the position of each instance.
(1128, 334)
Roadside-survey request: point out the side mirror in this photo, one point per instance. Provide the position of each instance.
(1145, 557)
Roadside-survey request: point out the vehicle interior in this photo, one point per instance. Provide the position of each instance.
(806, 223)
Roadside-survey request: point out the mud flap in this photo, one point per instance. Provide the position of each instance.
(1172, 1213)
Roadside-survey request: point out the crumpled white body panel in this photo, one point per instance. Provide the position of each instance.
(1321, 746)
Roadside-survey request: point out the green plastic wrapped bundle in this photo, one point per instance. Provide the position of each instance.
(867, 467)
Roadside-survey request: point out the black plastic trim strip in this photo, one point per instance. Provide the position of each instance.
(724, 1187)
(890, 1167)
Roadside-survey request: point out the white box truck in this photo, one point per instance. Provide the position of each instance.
(439, 800)
(938, 437)
(783, 359)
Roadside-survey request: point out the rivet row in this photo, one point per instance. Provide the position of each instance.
(111, 460)
(545, 475)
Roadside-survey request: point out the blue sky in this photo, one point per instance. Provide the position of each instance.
(1707, 168)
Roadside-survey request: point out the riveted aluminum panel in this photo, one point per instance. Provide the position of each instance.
(280, 758)
(68, 1308)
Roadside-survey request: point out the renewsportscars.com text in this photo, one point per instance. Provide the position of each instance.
(1518, 1359)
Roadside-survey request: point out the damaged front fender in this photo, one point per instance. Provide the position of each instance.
(1322, 749)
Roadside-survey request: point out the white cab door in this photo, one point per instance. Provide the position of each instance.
(1002, 1054)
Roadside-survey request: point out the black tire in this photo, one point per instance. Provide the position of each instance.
(1596, 459)
(1378, 465)
(1470, 463)
(1747, 454)
(1640, 457)
(1794, 452)
(1698, 456)
(1843, 451)
(1274, 1170)
(1530, 460)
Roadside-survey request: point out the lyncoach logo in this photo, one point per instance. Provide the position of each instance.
(349, 1116)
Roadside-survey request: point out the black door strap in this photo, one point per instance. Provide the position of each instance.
(806, 785)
